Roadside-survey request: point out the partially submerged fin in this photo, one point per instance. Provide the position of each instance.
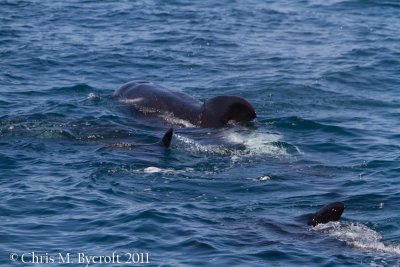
(166, 139)
(329, 213)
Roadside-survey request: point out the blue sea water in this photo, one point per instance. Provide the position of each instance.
(323, 76)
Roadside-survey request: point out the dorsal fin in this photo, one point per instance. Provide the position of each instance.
(166, 139)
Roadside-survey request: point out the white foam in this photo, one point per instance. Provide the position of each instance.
(357, 235)
(93, 96)
(153, 169)
(264, 178)
(258, 143)
(208, 149)
(253, 144)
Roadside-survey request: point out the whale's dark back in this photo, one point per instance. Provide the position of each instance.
(145, 95)
(329, 213)
(215, 112)
(150, 95)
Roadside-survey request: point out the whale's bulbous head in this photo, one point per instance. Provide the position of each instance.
(329, 213)
(218, 111)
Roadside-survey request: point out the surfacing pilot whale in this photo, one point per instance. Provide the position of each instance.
(215, 112)
(328, 213)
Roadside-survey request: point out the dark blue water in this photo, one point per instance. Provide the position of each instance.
(324, 77)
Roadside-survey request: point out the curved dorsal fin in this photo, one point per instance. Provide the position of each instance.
(166, 139)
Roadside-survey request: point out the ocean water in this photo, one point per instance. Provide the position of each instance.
(323, 76)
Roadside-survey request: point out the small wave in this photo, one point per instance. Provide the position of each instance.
(34, 127)
(56, 91)
(358, 235)
(301, 124)
(360, 4)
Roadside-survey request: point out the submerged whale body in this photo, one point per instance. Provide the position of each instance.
(165, 141)
(213, 113)
(328, 213)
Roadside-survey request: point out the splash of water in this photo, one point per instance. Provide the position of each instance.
(196, 147)
(251, 144)
(257, 143)
(358, 235)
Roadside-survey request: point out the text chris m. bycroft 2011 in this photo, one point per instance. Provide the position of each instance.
(128, 258)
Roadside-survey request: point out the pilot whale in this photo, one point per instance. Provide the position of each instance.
(165, 141)
(215, 112)
(328, 213)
